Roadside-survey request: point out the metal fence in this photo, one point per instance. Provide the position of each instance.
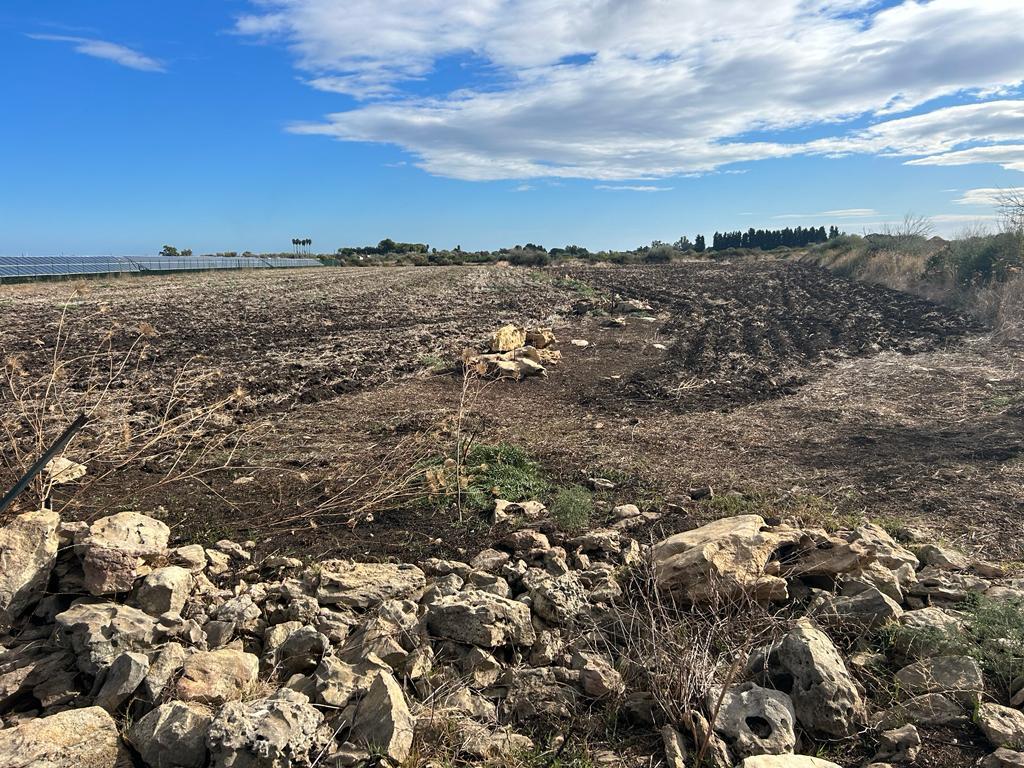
(13, 267)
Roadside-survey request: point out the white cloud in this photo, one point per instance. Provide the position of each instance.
(633, 188)
(987, 196)
(962, 218)
(607, 90)
(1009, 156)
(103, 49)
(843, 213)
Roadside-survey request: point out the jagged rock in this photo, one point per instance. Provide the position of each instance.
(1003, 758)
(725, 559)
(1002, 726)
(489, 744)
(233, 549)
(599, 678)
(819, 553)
(480, 668)
(77, 738)
(479, 618)
(929, 629)
(28, 550)
(943, 558)
(336, 682)
(755, 720)
(214, 677)
(464, 701)
(868, 609)
(489, 560)
(932, 709)
(277, 732)
(172, 734)
(943, 587)
(533, 694)
(165, 590)
(292, 648)
(124, 676)
(899, 745)
(716, 753)
(874, 575)
(958, 676)
(558, 600)
(190, 556)
(508, 338)
(506, 510)
(527, 542)
(162, 668)
(365, 585)
(887, 550)
(99, 632)
(243, 612)
(383, 722)
(806, 665)
(117, 548)
(674, 747)
(786, 761)
(217, 563)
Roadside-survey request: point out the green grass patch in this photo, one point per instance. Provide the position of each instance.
(488, 472)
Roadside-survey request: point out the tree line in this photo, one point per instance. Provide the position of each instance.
(768, 239)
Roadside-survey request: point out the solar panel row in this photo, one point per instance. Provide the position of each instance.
(49, 266)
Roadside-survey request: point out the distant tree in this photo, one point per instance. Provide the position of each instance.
(683, 244)
(698, 244)
(169, 252)
(186, 252)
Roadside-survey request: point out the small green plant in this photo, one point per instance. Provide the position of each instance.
(488, 472)
(992, 633)
(572, 508)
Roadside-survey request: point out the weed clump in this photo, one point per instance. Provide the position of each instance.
(572, 508)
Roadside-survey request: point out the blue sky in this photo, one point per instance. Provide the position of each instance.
(239, 124)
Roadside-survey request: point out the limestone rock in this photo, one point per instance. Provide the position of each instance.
(786, 761)
(599, 678)
(173, 734)
(77, 738)
(480, 618)
(124, 676)
(806, 665)
(62, 470)
(560, 600)
(725, 559)
(28, 550)
(674, 746)
(508, 338)
(755, 720)
(214, 677)
(165, 590)
(364, 585)
(116, 549)
(99, 632)
(869, 608)
(277, 732)
(1002, 726)
(957, 676)
(899, 745)
(162, 668)
(932, 709)
(1003, 758)
(383, 722)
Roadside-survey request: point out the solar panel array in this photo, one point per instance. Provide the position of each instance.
(51, 266)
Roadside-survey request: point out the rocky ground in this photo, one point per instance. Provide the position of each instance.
(122, 648)
(793, 542)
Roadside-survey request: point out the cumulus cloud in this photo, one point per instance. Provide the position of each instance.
(103, 49)
(607, 90)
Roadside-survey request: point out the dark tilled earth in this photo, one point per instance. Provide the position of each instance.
(786, 389)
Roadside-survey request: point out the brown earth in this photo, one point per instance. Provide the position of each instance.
(786, 389)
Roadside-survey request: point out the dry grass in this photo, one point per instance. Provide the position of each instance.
(105, 382)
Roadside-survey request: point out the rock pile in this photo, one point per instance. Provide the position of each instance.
(514, 353)
(119, 647)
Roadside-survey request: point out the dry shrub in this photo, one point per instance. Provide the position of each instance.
(679, 653)
(131, 421)
(1001, 305)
